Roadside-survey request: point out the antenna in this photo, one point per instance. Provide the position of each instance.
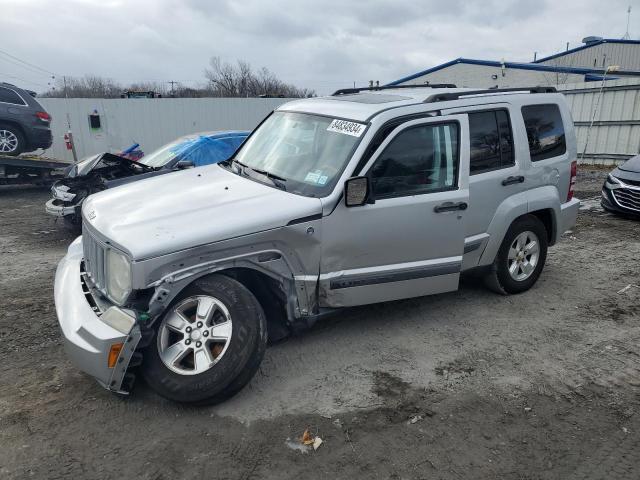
(626, 35)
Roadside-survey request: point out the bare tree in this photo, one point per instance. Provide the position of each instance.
(223, 80)
(228, 80)
(90, 86)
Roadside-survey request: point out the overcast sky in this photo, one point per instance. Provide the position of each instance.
(323, 45)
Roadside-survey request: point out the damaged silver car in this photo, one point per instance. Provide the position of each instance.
(106, 170)
(366, 196)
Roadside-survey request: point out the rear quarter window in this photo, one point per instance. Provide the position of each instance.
(491, 141)
(9, 96)
(545, 131)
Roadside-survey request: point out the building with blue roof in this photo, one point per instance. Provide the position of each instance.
(585, 63)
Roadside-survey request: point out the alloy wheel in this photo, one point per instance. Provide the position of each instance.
(523, 256)
(8, 141)
(194, 335)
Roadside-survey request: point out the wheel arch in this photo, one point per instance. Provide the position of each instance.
(547, 217)
(508, 211)
(543, 203)
(20, 128)
(270, 295)
(274, 292)
(15, 124)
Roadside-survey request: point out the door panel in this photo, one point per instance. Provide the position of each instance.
(496, 172)
(410, 241)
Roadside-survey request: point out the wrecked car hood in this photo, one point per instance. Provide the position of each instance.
(188, 208)
(83, 167)
(102, 161)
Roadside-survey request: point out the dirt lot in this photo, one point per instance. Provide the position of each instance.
(536, 386)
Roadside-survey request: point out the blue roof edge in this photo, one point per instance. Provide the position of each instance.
(585, 46)
(516, 65)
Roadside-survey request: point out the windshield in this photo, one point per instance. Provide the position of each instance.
(167, 153)
(307, 152)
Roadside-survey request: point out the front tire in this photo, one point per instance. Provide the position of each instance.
(521, 257)
(208, 344)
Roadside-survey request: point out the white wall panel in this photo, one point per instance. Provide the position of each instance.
(154, 122)
(150, 122)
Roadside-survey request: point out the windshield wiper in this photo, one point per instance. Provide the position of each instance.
(277, 180)
(273, 176)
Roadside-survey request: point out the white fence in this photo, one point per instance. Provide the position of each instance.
(150, 122)
(614, 136)
(615, 133)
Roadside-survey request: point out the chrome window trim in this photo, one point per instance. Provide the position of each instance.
(24, 103)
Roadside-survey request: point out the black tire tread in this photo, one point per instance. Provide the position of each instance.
(164, 382)
(498, 279)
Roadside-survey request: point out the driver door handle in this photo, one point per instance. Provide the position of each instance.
(512, 180)
(450, 207)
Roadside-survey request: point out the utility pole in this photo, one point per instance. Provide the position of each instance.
(626, 35)
(172, 89)
(69, 134)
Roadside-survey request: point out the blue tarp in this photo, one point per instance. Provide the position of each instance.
(209, 149)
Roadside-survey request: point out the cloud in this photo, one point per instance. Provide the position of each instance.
(320, 45)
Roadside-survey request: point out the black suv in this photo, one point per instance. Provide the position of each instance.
(24, 124)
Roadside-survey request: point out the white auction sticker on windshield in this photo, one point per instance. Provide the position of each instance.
(348, 128)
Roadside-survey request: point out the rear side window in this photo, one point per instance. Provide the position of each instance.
(491, 141)
(9, 96)
(420, 159)
(545, 131)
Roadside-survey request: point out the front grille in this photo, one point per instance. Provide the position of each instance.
(630, 182)
(94, 259)
(627, 198)
(86, 290)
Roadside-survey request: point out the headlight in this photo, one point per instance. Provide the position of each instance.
(612, 182)
(118, 276)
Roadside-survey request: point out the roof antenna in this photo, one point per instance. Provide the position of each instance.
(626, 35)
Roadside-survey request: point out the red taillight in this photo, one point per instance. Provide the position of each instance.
(572, 179)
(44, 116)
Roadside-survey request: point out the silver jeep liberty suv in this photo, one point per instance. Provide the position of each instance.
(365, 196)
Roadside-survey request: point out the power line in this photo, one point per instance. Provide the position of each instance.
(23, 80)
(27, 69)
(27, 63)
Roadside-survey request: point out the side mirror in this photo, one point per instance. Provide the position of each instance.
(357, 191)
(183, 164)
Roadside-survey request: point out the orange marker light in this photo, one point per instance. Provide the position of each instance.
(114, 352)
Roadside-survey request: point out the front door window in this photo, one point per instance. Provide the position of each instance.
(420, 159)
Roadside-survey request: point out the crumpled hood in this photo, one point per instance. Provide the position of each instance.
(188, 208)
(83, 167)
(88, 164)
(631, 165)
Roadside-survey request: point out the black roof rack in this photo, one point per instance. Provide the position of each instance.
(347, 91)
(443, 97)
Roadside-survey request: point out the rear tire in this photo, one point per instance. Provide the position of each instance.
(211, 371)
(521, 257)
(12, 140)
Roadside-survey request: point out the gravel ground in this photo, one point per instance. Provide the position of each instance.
(542, 385)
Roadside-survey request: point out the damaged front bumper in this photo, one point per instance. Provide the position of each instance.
(92, 328)
(57, 208)
(61, 204)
